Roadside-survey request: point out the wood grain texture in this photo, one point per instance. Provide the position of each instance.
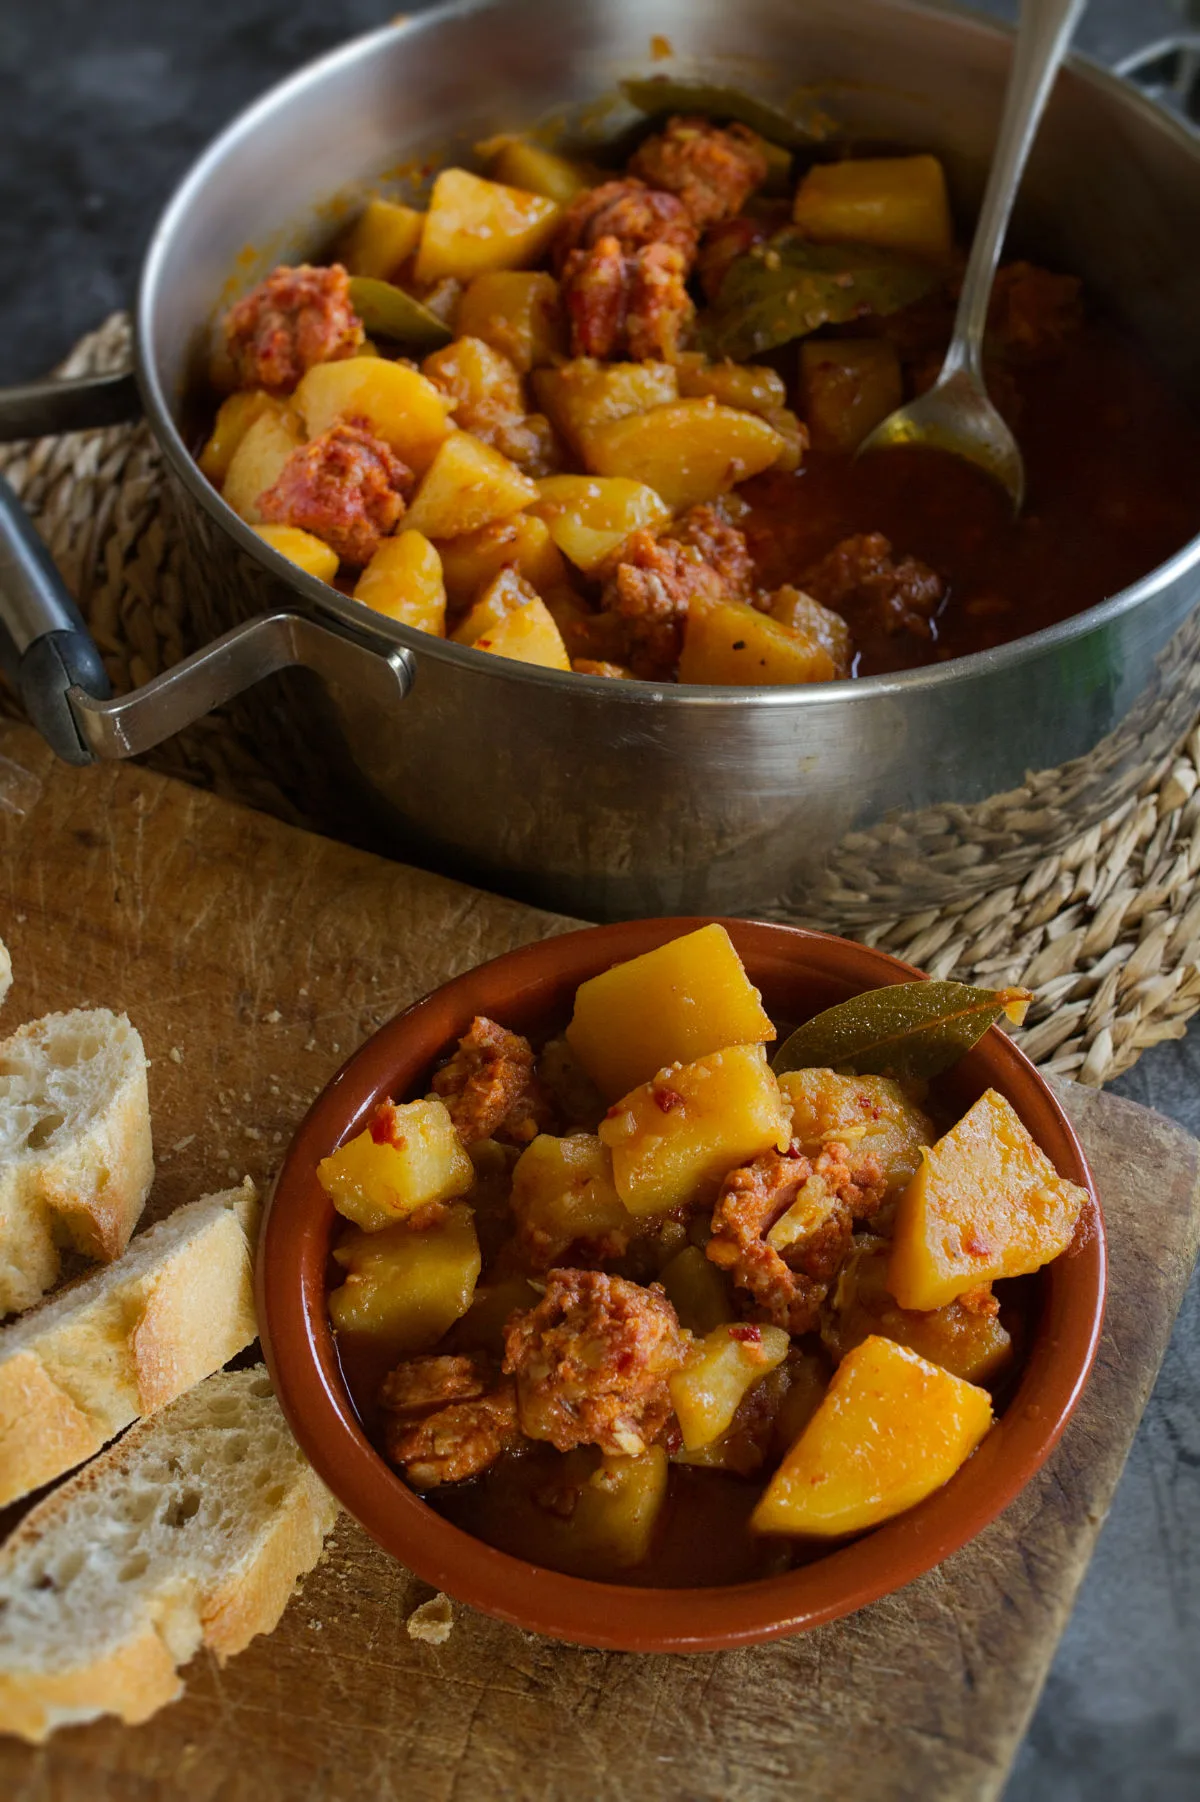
(253, 958)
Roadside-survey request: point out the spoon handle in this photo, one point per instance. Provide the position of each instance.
(1043, 34)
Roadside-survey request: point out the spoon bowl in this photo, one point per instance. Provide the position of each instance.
(956, 415)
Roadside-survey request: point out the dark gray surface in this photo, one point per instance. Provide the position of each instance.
(105, 102)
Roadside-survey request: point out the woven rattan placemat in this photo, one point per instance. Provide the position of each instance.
(1106, 933)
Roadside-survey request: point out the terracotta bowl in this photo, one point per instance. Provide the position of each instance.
(799, 973)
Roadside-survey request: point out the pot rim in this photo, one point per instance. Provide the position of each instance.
(298, 1343)
(356, 618)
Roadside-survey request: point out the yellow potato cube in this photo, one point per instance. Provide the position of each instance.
(847, 387)
(674, 1138)
(584, 394)
(511, 621)
(871, 1113)
(616, 1506)
(407, 1158)
(562, 1192)
(524, 165)
(467, 486)
(406, 1287)
(404, 580)
(966, 1341)
(733, 645)
(518, 312)
(891, 1429)
(258, 461)
(986, 1203)
(688, 451)
(236, 414)
(821, 625)
(474, 226)
(697, 1290)
(721, 1369)
(395, 402)
(384, 235)
(750, 386)
(520, 542)
(482, 1326)
(670, 1005)
(588, 518)
(897, 202)
(481, 383)
(304, 549)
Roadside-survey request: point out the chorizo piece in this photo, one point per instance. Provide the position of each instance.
(878, 593)
(345, 486)
(297, 317)
(591, 1362)
(623, 253)
(445, 1420)
(713, 169)
(490, 1088)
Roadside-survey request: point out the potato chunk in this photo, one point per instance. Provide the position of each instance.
(871, 1114)
(562, 1192)
(407, 1287)
(986, 1203)
(396, 404)
(609, 1508)
(384, 235)
(969, 1342)
(474, 226)
(732, 645)
(847, 387)
(404, 580)
(674, 1138)
(697, 1290)
(517, 312)
(897, 202)
(481, 1328)
(670, 1005)
(524, 165)
(258, 460)
(520, 542)
(511, 621)
(751, 387)
(581, 395)
(304, 549)
(407, 1158)
(589, 518)
(891, 1429)
(689, 451)
(792, 607)
(721, 1369)
(468, 485)
(236, 414)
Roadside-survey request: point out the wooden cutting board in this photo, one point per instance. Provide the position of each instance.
(254, 958)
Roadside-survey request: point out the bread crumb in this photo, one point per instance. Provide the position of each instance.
(433, 1621)
(182, 1144)
(273, 1018)
(310, 1045)
(175, 1055)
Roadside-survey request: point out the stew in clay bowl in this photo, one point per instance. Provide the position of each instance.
(678, 1284)
(604, 418)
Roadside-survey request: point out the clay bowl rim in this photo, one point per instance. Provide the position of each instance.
(298, 1341)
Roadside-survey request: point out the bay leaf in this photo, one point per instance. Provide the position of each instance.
(789, 287)
(669, 94)
(906, 1029)
(387, 310)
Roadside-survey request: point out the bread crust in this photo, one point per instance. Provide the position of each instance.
(123, 1342)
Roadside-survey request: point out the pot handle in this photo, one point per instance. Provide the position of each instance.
(49, 656)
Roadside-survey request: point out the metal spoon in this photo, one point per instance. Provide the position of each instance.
(956, 414)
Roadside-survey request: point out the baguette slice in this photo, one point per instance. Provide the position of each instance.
(5, 972)
(75, 1154)
(127, 1339)
(192, 1530)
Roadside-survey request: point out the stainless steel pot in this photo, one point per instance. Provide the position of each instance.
(847, 802)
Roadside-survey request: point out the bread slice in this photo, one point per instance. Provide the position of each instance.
(5, 972)
(127, 1339)
(75, 1154)
(192, 1530)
